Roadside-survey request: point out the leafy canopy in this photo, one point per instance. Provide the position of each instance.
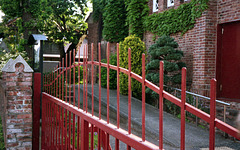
(63, 20)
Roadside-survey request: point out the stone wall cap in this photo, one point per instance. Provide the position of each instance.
(10, 66)
(7, 64)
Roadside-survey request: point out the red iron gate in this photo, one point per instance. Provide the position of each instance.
(68, 125)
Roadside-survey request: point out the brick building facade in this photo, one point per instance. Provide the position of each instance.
(201, 44)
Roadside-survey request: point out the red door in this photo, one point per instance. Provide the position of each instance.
(228, 64)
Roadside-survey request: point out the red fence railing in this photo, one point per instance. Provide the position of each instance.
(67, 124)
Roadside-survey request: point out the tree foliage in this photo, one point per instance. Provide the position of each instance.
(61, 20)
(165, 49)
(114, 17)
(98, 9)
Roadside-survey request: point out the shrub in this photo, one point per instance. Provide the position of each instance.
(112, 73)
(137, 48)
(165, 49)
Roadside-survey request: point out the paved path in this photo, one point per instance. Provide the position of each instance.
(196, 137)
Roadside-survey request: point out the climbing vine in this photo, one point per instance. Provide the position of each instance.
(137, 10)
(172, 21)
(114, 17)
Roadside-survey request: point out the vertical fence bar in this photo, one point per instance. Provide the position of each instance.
(92, 79)
(66, 111)
(116, 144)
(74, 103)
(78, 132)
(52, 128)
(54, 92)
(108, 55)
(58, 125)
(143, 97)
(212, 115)
(129, 91)
(56, 78)
(70, 84)
(66, 79)
(62, 79)
(62, 124)
(86, 61)
(69, 94)
(84, 135)
(196, 107)
(100, 98)
(54, 125)
(60, 73)
(92, 139)
(79, 78)
(161, 82)
(73, 128)
(57, 111)
(118, 89)
(43, 132)
(74, 99)
(118, 98)
(224, 117)
(107, 141)
(78, 118)
(183, 107)
(84, 74)
(129, 94)
(36, 110)
(99, 139)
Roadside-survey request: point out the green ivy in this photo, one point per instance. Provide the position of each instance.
(137, 10)
(114, 17)
(172, 21)
(137, 49)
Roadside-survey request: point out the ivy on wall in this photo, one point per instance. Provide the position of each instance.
(114, 17)
(172, 21)
(137, 10)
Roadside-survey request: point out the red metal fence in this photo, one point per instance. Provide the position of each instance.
(68, 125)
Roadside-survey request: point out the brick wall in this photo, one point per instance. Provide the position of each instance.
(200, 46)
(200, 43)
(17, 77)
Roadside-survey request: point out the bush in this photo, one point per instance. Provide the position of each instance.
(112, 73)
(165, 49)
(137, 48)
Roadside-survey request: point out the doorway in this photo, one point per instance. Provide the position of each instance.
(228, 61)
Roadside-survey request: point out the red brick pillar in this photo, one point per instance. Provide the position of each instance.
(17, 76)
